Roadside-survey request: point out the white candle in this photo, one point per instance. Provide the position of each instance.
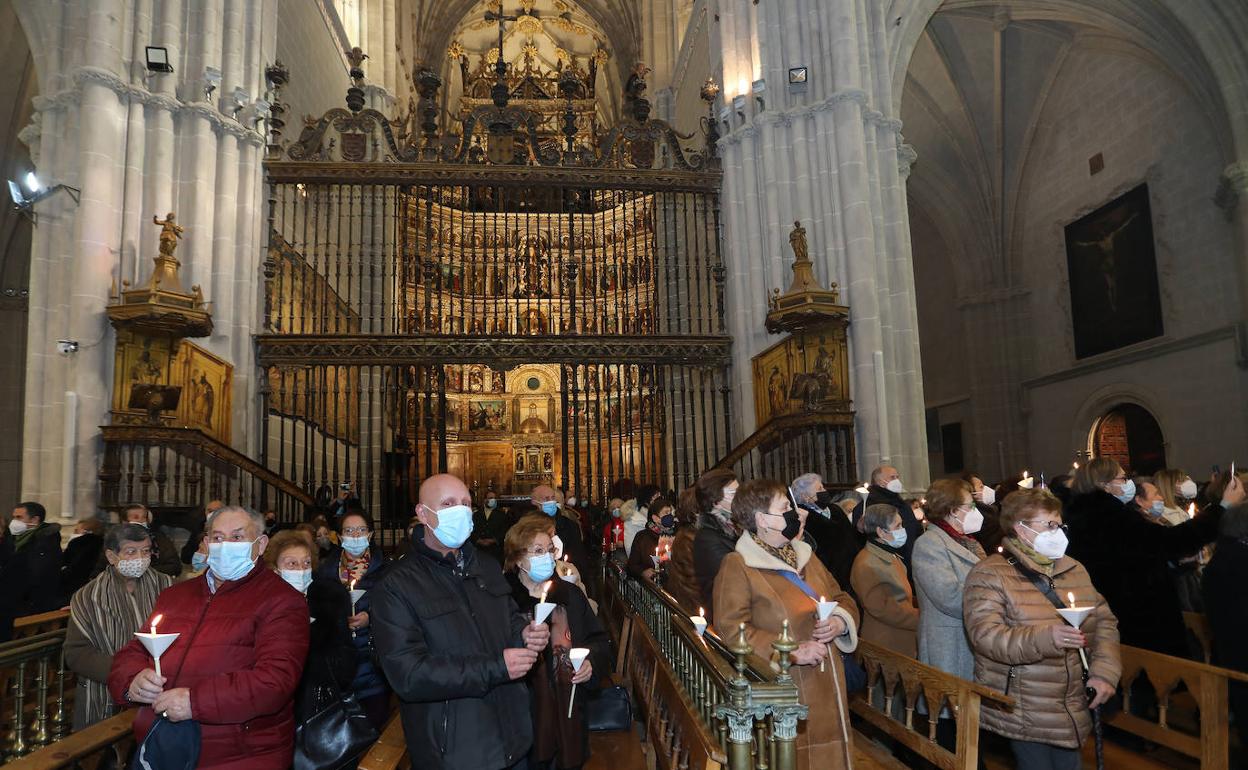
(699, 621)
(544, 608)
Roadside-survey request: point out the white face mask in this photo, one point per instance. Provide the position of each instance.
(571, 501)
(988, 495)
(973, 521)
(1188, 489)
(133, 568)
(895, 486)
(1128, 492)
(558, 543)
(17, 527)
(1050, 544)
(299, 579)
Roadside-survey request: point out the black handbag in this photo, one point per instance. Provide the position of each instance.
(609, 709)
(336, 736)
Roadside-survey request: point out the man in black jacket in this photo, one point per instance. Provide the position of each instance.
(30, 567)
(828, 530)
(886, 488)
(452, 643)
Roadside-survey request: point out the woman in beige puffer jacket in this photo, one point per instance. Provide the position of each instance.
(1025, 649)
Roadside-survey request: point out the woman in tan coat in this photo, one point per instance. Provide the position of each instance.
(1023, 647)
(889, 615)
(771, 577)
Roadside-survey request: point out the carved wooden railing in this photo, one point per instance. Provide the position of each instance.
(37, 690)
(706, 702)
(1205, 685)
(86, 748)
(184, 468)
(896, 683)
(788, 446)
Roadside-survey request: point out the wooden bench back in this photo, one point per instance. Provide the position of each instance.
(896, 684)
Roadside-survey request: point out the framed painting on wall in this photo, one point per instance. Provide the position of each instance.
(1115, 300)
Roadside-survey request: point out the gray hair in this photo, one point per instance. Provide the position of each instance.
(128, 533)
(878, 516)
(256, 518)
(847, 494)
(876, 472)
(803, 487)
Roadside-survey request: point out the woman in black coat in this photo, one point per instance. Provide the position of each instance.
(559, 742)
(330, 665)
(1226, 606)
(1126, 555)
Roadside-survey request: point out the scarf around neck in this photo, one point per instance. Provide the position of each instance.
(1043, 562)
(786, 553)
(107, 615)
(964, 540)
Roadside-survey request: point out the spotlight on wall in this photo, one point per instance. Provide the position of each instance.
(212, 80)
(158, 59)
(797, 76)
(26, 205)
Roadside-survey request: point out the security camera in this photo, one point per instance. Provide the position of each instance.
(67, 347)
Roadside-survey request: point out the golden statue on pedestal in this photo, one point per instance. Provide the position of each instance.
(170, 233)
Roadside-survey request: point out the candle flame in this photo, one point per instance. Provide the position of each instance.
(353, 582)
(822, 598)
(1191, 511)
(545, 589)
(701, 612)
(156, 620)
(1026, 475)
(1070, 595)
(1075, 465)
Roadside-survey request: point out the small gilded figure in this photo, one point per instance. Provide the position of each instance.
(797, 239)
(170, 234)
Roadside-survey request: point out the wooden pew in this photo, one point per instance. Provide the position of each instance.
(30, 625)
(390, 750)
(898, 676)
(1206, 684)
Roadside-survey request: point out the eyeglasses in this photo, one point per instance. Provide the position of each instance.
(355, 531)
(1046, 525)
(1122, 477)
(540, 551)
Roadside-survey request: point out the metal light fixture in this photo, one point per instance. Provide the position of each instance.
(26, 206)
(212, 81)
(158, 59)
(797, 75)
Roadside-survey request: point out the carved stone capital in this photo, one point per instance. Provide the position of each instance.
(740, 720)
(784, 720)
(1231, 186)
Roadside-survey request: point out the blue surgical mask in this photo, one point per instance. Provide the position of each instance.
(1128, 492)
(550, 507)
(355, 545)
(454, 525)
(900, 537)
(541, 568)
(491, 503)
(199, 561)
(299, 579)
(1158, 508)
(230, 561)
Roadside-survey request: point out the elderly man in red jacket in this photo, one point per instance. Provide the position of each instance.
(235, 667)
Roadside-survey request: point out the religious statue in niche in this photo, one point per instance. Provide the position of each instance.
(497, 383)
(534, 322)
(454, 378)
(1114, 294)
(475, 380)
(547, 461)
(532, 269)
(519, 461)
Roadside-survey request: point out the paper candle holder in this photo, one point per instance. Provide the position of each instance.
(156, 644)
(542, 611)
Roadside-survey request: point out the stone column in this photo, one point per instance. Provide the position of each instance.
(827, 154)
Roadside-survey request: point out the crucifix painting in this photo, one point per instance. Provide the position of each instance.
(1114, 296)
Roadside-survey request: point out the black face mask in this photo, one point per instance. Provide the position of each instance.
(792, 524)
(823, 499)
(667, 522)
